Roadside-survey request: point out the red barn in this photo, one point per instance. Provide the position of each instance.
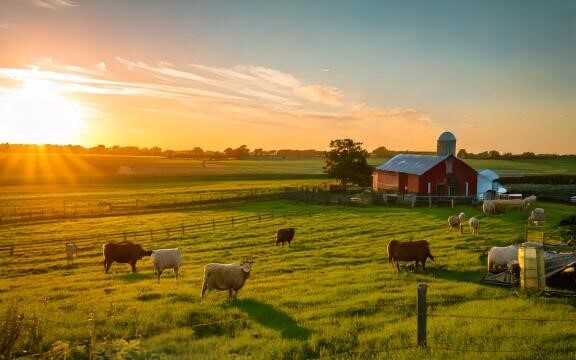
(426, 175)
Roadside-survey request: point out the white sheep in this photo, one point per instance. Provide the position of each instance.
(501, 256)
(489, 207)
(71, 252)
(536, 216)
(474, 223)
(455, 222)
(229, 277)
(163, 259)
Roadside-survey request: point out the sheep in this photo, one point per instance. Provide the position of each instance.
(536, 216)
(71, 252)
(455, 222)
(417, 251)
(474, 223)
(501, 256)
(229, 277)
(163, 259)
(489, 207)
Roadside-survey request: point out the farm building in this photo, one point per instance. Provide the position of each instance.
(441, 175)
(488, 185)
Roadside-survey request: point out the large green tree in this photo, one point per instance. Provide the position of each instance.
(346, 161)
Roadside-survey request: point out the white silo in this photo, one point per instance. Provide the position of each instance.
(446, 144)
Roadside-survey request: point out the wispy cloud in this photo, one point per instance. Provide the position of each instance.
(54, 4)
(257, 96)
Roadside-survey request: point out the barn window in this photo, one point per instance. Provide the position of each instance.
(429, 187)
(449, 165)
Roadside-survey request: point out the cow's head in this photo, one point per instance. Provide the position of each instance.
(142, 252)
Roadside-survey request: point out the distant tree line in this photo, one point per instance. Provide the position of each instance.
(496, 155)
(241, 152)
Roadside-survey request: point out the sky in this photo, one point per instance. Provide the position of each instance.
(499, 74)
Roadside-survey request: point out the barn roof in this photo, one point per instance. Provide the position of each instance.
(489, 174)
(411, 164)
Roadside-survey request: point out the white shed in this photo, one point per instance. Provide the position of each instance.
(488, 181)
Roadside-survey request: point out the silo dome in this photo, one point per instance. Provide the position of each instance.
(446, 144)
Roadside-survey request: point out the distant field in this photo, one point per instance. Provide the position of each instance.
(331, 294)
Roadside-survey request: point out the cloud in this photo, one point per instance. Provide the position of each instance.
(320, 94)
(255, 96)
(54, 4)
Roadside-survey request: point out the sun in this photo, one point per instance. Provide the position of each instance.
(38, 114)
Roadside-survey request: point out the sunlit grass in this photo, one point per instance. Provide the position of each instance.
(331, 292)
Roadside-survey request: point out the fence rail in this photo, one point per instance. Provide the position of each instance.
(181, 230)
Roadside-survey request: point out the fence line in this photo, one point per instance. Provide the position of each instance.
(180, 229)
(502, 318)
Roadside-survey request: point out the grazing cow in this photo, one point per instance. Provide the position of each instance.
(71, 252)
(229, 277)
(417, 251)
(124, 252)
(166, 259)
(284, 235)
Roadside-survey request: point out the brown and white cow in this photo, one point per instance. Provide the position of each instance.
(125, 253)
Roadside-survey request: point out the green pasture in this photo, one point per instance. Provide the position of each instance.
(330, 295)
(56, 181)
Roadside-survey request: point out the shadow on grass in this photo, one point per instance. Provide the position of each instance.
(467, 276)
(267, 316)
(134, 277)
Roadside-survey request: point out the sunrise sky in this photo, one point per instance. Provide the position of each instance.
(294, 74)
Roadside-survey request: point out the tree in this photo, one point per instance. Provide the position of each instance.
(381, 151)
(462, 154)
(346, 161)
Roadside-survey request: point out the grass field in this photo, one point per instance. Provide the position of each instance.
(330, 295)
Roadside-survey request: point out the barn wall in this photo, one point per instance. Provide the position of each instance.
(461, 172)
(385, 180)
(413, 183)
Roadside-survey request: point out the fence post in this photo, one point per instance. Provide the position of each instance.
(213, 225)
(430, 202)
(12, 250)
(422, 314)
(452, 202)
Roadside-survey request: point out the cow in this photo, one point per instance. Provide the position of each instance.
(123, 252)
(417, 251)
(284, 235)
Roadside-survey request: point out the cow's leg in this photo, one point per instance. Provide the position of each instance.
(158, 275)
(133, 265)
(107, 265)
(230, 294)
(424, 265)
(397, 265)
(176, 271)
